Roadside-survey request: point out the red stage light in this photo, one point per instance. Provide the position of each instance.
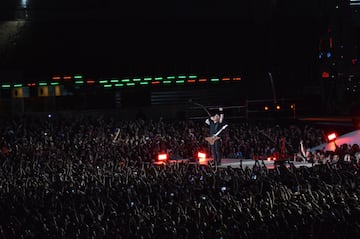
(325, 74)
(331, 136)
(162, 157)
(202, 157)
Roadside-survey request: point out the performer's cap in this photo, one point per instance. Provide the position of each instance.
(214, 112)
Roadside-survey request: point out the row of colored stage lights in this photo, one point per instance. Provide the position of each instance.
(113, 82)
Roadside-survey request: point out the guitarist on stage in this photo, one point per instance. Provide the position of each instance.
(215, 123)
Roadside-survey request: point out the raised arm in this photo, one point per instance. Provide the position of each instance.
(221, 112)
(302, 148)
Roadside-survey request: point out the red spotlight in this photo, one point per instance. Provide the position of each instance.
(162, 157)
(331, 136)
(201, 157)
(325, 74)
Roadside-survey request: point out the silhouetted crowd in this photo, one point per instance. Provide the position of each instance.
(73, 176)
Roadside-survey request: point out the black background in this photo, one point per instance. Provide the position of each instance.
(174, 37)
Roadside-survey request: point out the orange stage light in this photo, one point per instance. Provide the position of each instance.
(162, 157)
(331, 136)
(201, 157)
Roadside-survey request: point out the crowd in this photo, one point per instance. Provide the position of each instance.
(75, 177)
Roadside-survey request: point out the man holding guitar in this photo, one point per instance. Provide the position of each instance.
(215, 122)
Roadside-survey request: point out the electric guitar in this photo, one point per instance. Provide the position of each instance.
(211, 140)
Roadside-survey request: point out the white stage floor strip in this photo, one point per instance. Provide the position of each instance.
(235, 163)
(270, 164)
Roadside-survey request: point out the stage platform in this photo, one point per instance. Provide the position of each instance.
(235, 163)
(270, 164)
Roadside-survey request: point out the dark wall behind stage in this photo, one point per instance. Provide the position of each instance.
(142, 38)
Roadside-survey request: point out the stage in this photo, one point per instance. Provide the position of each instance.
(235, 163)
(270, 164)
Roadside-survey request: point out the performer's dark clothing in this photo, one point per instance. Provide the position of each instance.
(216, 147)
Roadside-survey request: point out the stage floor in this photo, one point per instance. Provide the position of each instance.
(235, 163)
(270, 164)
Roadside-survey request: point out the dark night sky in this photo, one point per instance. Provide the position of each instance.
(146, 37)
